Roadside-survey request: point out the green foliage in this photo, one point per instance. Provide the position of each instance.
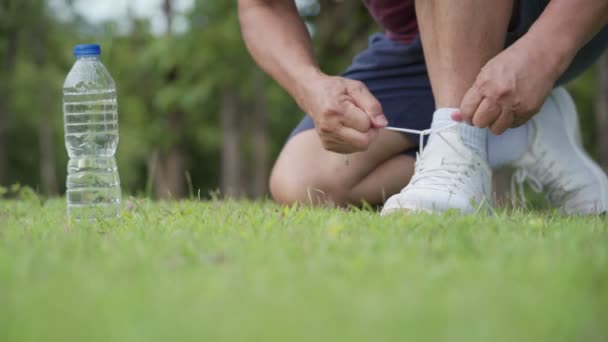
(584, 91)
(159, 75)
(213, 271)
(155, 75)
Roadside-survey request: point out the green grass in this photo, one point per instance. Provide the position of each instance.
(210, 271)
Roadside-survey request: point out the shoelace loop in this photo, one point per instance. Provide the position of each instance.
(519, 178)
(555, 194)
(421, 133)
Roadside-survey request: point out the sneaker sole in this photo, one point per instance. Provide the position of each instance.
(574, 137)
(405, 211)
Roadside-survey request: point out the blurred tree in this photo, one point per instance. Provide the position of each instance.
(11, 12)
(33, 91)
(341, 31)
(261, 137)
(231, 168)
(230, 76)
(169, 166)
(39, 38)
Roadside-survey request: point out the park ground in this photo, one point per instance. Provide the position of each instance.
(254, 271)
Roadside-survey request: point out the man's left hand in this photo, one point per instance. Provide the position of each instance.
(509, 90)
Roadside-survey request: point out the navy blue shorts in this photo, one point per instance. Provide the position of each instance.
(396, 74)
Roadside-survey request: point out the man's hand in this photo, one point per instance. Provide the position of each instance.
(509, 90)
(346, 115)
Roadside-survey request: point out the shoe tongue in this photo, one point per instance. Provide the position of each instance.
(443, 141)
(435, 151)
(432, 161)
(445, 146)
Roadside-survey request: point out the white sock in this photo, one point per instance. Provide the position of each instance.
(476, 139)
(443, 117)
(473, 137)
(508, 147)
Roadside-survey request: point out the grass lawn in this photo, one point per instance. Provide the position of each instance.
(210, 271)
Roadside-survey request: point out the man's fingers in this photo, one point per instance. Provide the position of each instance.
(368, 103)
(457, 116)
(348, 140)
(504, 122)
(355, 118)
(358, 140)
(471, 101)
(487, 112)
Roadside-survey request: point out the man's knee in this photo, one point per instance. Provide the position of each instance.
(287, 187)
(283, 187)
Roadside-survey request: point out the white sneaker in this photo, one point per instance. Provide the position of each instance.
(556, 162)
(448, 175)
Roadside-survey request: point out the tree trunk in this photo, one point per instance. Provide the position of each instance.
(170, 166)
(48, 170)
(261, 148)
(168, 11)
(8, 67)
(601, 111)
(231, 151)
(169, 173)
(48, 173)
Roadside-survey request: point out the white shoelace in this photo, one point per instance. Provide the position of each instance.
(519, 178)
(556, 193)
(421, 133)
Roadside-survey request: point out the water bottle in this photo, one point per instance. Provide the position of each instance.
(91, 135)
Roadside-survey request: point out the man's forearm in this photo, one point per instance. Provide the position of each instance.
(565, 27)
(279, 42)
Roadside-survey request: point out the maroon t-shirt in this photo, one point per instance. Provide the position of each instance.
(397, 17)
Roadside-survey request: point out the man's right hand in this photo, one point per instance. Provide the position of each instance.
(346, 115)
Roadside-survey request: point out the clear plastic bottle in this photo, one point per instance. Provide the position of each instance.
(91, 136)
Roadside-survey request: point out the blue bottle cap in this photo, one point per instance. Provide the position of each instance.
(87, 50)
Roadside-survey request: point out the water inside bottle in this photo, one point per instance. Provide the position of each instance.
(91, 123)
(93, 187)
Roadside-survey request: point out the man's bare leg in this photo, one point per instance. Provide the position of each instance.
(459, 38)
(305, 172)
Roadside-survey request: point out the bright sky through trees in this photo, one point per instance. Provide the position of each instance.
(97, 11)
